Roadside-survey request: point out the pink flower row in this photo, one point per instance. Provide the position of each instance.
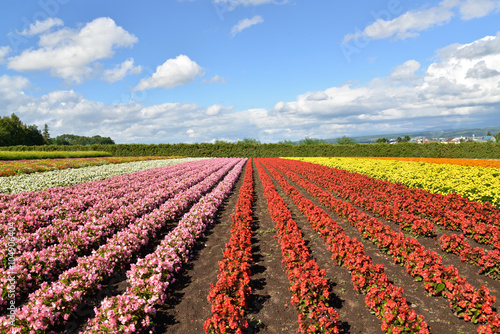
(149, 278)
(32, 210)
(111, 197)
(35, 267)
(52, 304)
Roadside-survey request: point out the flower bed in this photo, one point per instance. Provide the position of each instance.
(150, 277)
(229, 296)
(53, 303)
(307, 283)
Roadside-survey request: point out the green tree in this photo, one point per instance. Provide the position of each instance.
(382, 140)
(286, 142)
(344, 140)
(249, 141)
(311, 141)
(45, 133)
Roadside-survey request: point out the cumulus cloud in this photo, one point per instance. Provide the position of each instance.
(406, 71)
(411, 23)
(122, 70)
(460, 88)
(69, 53)
(40, 27)
(173, 72)
(245, 24)
(481, 71)
(4, 51)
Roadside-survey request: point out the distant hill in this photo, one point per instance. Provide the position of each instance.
(478, 132)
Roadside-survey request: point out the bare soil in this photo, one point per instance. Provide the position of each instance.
(270, 309)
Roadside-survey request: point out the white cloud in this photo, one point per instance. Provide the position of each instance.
(246, 23)
(69, 53)
(172, 73)
(481, 71)
(459, 89)
(11, 87)
(411, 23)
(216, 79)
(40, 27)
(120, 71)
(406, 71)
(4, 51)
(471, 9)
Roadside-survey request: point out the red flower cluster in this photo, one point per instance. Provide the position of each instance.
(229, 295)
(414, 209)
(488, 261)
(382, 297)
(307, 282)
(467, 302)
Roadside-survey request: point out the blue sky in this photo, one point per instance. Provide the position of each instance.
(200, 70)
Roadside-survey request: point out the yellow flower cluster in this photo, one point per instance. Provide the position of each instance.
(475, 183)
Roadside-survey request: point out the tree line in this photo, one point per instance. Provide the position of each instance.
(14, 132)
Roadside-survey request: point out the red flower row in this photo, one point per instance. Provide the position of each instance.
(230, 293)
(488, 261)
(382, 297)
(424, 265)
(307, 283)
(403, 205)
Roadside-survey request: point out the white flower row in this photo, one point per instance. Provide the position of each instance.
(66, 177)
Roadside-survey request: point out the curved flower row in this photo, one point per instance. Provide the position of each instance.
(382, 297)
(475, 220)
(307, 283)
(16, 167)
(489, 261)
(32, 210)
(35, 267)
(109, 197)
(67, 177)
(229, 295)
(353, 187)
(475, 183)
(149, 278)
(423, 265)
(53, 303)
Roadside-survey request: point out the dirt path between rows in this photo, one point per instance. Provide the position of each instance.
(270, 309)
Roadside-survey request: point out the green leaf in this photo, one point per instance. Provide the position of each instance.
(440, 287)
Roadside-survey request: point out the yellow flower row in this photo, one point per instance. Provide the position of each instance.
(475, 183)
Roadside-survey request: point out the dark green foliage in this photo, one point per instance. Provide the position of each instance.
(344, 140)
(67, 139)
(224, 149)
(311, 141)
(15, 132)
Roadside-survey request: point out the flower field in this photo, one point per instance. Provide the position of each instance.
(476, 183)
(21, 155)
(263, 245)
(16, 167)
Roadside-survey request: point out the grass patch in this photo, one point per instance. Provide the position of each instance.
(22, 155)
